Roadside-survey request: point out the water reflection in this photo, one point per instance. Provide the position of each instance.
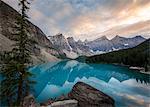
(127, 87)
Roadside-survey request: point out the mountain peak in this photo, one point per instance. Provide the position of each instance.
(139, 36)
(102, 38)
(86, 41)
(118, 37)
(70, 38)
(59, 35)
(79, 41)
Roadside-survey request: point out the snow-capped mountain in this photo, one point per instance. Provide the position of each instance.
(123, 43)
(100, 44)
(73, 48)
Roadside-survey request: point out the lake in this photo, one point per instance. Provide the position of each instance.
(125, 86)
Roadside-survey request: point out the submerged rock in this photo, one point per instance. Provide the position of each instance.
(88, 96)
(65, 103)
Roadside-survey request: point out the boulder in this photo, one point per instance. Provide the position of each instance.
(65, 103)
(88, 96)
(29, 101)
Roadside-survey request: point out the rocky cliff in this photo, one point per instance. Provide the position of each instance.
(69, 46)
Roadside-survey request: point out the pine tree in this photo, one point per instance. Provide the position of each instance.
(15, 83)
(22, 51)
(9, 81)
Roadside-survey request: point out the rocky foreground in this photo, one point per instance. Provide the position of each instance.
(82, 95)
(88, 96)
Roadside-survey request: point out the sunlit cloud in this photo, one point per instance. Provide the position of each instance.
(83, 18)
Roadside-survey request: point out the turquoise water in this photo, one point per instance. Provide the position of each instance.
(128, 88)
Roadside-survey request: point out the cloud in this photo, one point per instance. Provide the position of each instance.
(139, 28)
(47, 25)
(79, 18)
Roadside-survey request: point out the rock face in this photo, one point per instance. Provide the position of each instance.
(8, 17)
(100, 44)
(70, 47)
(78, 46)
(59, 41)
(88, 96)
(123, 43)
(65, 103)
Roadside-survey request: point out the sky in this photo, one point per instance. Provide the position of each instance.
(90, 19)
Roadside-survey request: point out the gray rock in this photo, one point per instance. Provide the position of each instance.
(65, 103)
(88, 96)
(29, 101)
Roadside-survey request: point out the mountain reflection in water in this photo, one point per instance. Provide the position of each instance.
(127, 87)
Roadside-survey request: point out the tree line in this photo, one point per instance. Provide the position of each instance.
(137, 56)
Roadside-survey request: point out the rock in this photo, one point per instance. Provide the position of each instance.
(88, 96)
(137, 68)
(63, 97)
(65, 103)
(29, 101)
(48, 102)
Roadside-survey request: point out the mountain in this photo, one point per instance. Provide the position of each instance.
(42, 49)
(60, 42)
(83, 49)
(73, 48)
(100, 44)
(69, 46)
(105, 45)
(136, 56)
(54, 47)
(123, 43)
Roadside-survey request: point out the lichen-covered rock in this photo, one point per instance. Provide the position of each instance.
(88, 96)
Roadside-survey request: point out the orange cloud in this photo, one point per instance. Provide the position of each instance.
(131, 19)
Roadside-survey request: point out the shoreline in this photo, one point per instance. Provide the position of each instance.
(139, 69)
(135, 68)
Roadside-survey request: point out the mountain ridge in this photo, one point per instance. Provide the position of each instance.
(135, 56)
(42, 49)
(99, 45)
